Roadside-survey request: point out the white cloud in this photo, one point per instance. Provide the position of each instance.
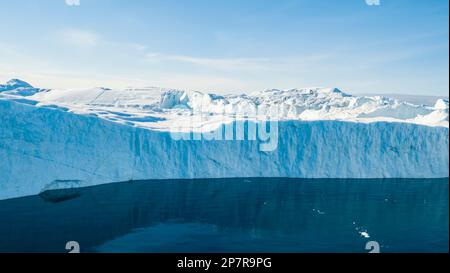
(138, 47)
(80, 38)
(215, 63)
(73, 2)
(224, 63)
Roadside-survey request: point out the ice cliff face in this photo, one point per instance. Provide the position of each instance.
(100, 135)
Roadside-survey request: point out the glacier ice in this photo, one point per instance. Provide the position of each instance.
(103, 135)
(19, 87)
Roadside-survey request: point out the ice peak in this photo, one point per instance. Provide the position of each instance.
(335, 90)
(19, 88)
(309, 90)
(16, 83)
(441, 104)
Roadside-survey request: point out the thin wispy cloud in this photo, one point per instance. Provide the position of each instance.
(137, 47)
(278, 64)
(214, 63)
(79, 38)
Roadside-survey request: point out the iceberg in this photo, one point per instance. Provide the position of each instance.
(19, 87)
(101, 135)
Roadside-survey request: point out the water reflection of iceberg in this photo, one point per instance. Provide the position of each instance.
(61, 190)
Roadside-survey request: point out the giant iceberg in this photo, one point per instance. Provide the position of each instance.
(49, 138)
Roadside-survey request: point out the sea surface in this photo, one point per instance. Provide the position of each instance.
(233, 215)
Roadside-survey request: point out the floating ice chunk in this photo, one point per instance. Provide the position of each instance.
(364, 234)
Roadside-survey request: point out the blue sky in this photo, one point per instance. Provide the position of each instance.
(399, 46)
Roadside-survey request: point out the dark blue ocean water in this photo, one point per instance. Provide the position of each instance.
(233, 215)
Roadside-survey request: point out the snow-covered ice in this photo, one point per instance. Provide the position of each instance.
(103, 135)
(160, 108)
